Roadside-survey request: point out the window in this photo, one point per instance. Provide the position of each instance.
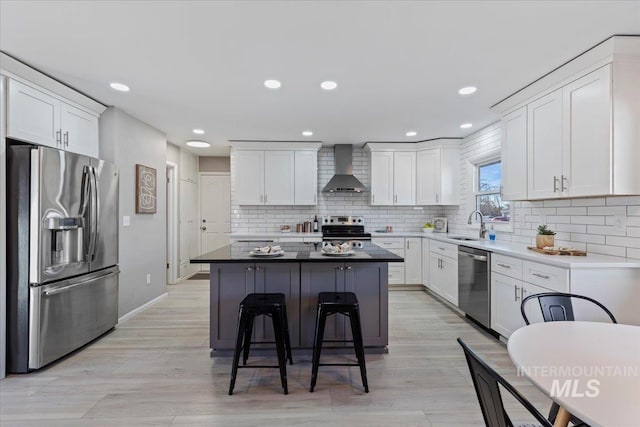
(488, 195)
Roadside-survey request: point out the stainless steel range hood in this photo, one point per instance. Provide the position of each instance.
(343, 181)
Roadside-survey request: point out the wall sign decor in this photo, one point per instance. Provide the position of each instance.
(146, 190)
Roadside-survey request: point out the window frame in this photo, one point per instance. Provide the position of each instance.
(473, 178)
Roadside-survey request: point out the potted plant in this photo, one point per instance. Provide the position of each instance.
(427, 228)
(545, 237)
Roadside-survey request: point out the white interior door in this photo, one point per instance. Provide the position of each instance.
(215, 213)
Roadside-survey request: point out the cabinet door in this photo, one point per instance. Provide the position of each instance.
(404, 178)
(367, 281)
(413, 261)
(587, 134)
(514, 155)
(382, 178)
(425, 263)
(532, 309)
(506, 296)
(230, 283)
(449, 176)
(79, 130)
(248, 177)
(544, 163)
(316, 278)
(279, 178)
(449, 285)
(284, 279)
(435, 273)
(306, 178)
(428, 182)
(33, 116)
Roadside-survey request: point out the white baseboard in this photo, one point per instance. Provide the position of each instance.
(140, 309)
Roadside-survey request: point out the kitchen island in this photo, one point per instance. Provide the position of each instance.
(300, 274)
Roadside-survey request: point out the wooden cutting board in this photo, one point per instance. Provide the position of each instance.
(569, 252)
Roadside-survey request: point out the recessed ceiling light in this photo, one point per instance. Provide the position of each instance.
(411, 133)
(198, 131)
(329, 85)
(272, 84)
(465, 125)
(120, 87)
(467, 90)
(198, 144)
(307, 133)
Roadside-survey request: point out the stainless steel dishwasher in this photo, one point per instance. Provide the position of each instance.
(474, 284)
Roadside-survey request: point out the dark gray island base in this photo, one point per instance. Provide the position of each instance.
(301, 273)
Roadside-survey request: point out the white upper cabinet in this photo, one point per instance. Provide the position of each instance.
(248, 177)
(275, 176)
(587, 134)
(36, 116)
(404, 178)
(306, 177)
(381, 178)
(188, 166)
(79, 130)
(581, 125)
(545, 146)
(32, 115)
(279, 178)
(514, 155)
(437, 176)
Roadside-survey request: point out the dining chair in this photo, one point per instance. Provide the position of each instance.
(486, 382)
(558, 306)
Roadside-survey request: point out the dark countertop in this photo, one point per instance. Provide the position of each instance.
(294, 252)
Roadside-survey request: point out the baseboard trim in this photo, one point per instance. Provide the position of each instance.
(140, 309)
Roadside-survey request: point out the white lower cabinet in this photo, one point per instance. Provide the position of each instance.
(511, 282)
(443, 276)
(396, 246)
(413, 260)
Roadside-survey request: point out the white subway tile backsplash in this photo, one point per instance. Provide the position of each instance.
(630, 242)
(573, 228)
(633, 221)
(633, 210)
(572, 211)
(578, 219)
(556, 203)
(606, 250)
(605, 230)
(623, 200)
(595, 201)
(588, 238)
(607, 210)
(633, 253)
(633, 231)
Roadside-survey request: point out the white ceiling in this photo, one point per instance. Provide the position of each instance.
(398, 65)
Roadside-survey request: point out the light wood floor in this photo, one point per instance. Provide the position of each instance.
(155, 370)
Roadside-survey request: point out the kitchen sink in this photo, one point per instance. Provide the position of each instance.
(464, 238)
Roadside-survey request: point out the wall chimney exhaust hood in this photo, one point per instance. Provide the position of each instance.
(343, 181)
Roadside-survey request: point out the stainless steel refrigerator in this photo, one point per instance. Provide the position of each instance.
(62, 237)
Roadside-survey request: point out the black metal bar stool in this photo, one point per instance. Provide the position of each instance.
(345, 303)
(270, 305)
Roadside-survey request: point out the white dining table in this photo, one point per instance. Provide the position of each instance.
(592, 370)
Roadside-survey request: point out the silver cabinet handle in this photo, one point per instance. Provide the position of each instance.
(563, 179)
(258, 268)
(515, 292)
(407, 243)
(504, 265)
(348, 267)
(555, 183)
(523, 292)
(59, 136)
(66, 138)
(475, 257)
(75, 285)
(249, 268)
(542, 276)
(441, 248)
(436, 197)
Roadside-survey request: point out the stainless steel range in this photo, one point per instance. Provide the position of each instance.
(338, 229)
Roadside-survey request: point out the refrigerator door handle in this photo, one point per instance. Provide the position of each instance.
(84, 282)
(93, 222)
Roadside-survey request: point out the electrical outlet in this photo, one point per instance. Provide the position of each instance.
(148, 279)
(126, 221)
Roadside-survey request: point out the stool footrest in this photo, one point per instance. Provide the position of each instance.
(337, 341)
(257, 366)
(338, 364)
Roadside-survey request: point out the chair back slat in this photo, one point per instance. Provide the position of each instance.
(558, 306)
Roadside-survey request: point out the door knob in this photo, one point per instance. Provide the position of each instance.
(203, 228)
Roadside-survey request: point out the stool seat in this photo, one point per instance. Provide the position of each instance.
(271, 305)
(345, 303)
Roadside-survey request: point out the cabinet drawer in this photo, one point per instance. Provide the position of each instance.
(506, 265)
(390, 243)
(396, 274)
(446, 249)
(549, 277)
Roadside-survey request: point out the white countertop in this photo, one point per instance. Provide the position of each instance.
(518, 250)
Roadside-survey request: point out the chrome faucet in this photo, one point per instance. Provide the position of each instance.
(483, 229)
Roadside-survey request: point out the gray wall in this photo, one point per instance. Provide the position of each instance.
(173, 153)
(126, 141)
(214, 164)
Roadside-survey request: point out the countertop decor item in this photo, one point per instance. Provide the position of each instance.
(428, 227)
(545, 237)
(553, 250)
(439, 225)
